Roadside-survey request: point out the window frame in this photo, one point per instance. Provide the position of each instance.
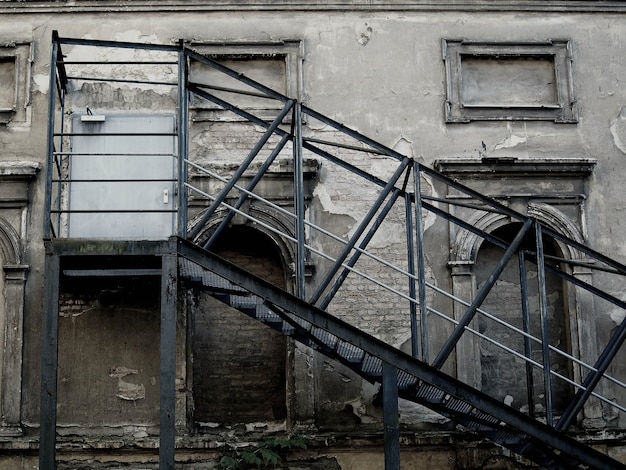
(20, 55)
(288, 50)
(558, 50)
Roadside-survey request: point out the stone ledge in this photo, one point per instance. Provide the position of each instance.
(532, 167)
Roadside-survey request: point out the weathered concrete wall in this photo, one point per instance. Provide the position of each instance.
(380, 72)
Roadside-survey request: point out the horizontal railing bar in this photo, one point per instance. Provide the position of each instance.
(115, 134)
(121, 180)
(120, 80)
(354, 134)
(344, 146)
(585, 249)
(506, 348)
(236, 75)
(231, 90)
(521, 332)
(473, 194)
(118, 44)
(309, 224)
(112, 211)
(85, 154)
(116, 62)
(457, 203)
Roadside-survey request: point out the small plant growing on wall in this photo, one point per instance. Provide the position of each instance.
(268, 453)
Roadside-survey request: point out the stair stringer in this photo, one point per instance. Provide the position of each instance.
(417, 381)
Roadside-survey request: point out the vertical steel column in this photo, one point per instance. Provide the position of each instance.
(47, 229)
(49, 365)
(410, 251)
(391, 419)
(545, 331)
(450, 344)
(298, 181)
(528, 351)
(167, 386)
(183, 140)
(421, 261)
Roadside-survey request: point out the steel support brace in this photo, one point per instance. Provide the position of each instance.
(359, 231)
(49, 365)
(454, 338)
(391, 418)
(167, 385)
(241, 169)
(249, 188)
(357, 254)
(528, 351)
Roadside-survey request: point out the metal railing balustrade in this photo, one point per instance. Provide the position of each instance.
(386, 269)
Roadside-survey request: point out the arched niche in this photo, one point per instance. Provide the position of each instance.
(241, 369)
(14, 277)
(269, 223)
(578, 307)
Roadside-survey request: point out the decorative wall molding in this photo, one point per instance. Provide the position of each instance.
(72, 6)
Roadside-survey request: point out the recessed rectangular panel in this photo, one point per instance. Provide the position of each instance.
(515, 82)
(7, 83)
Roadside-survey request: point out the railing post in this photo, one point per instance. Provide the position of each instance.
(410, 246)
(183, 140)
(47, 229)
(298, 177)
(421, 261)
(530, 382)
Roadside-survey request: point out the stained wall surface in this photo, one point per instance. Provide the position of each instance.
(383, 71)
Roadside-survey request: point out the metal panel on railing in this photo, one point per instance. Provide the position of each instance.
(122, 170)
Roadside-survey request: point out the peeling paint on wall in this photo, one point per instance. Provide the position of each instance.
(618, 130)
(365, 35)
(127, 390)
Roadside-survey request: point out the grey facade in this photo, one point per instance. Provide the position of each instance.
(522, 104)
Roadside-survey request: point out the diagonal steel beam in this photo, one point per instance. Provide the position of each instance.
(359, 231)
(454, 338)
(539, 432)
(241, 169)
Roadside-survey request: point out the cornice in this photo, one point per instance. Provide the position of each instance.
(129, 6)
(527, 167)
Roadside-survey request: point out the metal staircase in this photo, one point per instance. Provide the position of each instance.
(364, 354)
(421, 211)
